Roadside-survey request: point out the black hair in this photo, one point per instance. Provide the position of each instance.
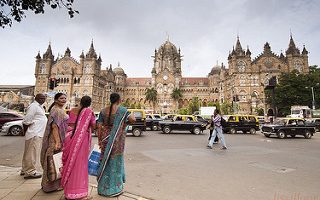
(56, 97)
(85, 102)
(114, 97)
(217, 111)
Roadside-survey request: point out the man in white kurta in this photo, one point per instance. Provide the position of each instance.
(35, 123)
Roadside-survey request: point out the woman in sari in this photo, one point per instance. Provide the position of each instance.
(52, 142)
(111, 135)
(76, 149)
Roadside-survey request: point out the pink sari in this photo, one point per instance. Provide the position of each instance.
(75, 155)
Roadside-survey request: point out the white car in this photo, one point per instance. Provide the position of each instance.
(13, 128)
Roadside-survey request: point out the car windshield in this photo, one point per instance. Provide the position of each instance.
(157, 116)
(295, 111)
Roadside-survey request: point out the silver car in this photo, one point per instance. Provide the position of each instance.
(13, 128)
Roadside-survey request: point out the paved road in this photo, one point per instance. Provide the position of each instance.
(178, 166)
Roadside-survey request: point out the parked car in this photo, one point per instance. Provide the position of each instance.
(289, 126)
(139, 126)
(183, 123)
(244, 123)
(152, 121)
(13, 128)
(8, 117)
(316, 123)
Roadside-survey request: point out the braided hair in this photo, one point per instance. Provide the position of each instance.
(85, 102)
(114, 97)
(56, 97)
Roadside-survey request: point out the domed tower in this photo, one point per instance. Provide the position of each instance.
(120, 79)
(214, 82)
(166, 74)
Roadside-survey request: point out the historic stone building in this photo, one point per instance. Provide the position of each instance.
(241, 83)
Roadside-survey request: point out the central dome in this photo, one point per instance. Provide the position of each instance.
(168, 47)
(118, 71)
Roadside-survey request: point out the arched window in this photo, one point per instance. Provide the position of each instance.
(42, 69)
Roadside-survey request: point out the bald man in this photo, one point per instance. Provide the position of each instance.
(34, 123)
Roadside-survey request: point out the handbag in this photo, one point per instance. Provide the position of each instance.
(57, 160)
(93, 162)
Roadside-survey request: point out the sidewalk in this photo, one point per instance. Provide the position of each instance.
(15, 187)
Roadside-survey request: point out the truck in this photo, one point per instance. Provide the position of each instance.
(206, 112)
(301, 111)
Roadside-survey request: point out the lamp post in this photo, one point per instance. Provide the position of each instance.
(313, 100)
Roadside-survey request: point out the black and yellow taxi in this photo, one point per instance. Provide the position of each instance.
(139, 125)
(244, 123)
(152, 121)
(183, 123)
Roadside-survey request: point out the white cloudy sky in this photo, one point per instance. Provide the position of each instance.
(128, 31)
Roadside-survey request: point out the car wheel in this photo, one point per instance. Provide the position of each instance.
(166, 129)
(196, 130)
(154, 127)
(307, 135)
(281, 134)
(136, 132)
(233, 131)
(252, 131)
(267, 135)
(15, 130)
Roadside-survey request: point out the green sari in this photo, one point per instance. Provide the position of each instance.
(111, 173)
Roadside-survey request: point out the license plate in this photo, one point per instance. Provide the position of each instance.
(130, 128)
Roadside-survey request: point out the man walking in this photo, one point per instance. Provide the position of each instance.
(34, 124)
(217, 131)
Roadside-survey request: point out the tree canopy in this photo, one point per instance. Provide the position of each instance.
(15, 10)
(295, 89)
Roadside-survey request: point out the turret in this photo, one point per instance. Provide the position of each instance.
(67, 53)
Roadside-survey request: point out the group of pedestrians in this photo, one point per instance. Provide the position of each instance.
(71, 135)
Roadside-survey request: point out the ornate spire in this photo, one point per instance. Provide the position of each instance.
(238, 45)
(91, 53)
(304, 50)
(82, 55)
(248, 53)
(48, 54)
(292, 49)
(67, 53)
(38, 55)
(266, 48)
(99, 59)
(282, 56)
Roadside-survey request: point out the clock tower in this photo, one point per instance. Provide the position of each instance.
(166, 75)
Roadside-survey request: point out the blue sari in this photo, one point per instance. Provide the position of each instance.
(111, 174)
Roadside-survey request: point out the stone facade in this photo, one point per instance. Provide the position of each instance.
(241, 83)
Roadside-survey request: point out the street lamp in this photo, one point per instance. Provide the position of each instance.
(313, 101)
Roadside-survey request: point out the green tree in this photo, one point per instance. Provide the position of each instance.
(184, 111)
(259, 111)
(194, 105)
(151, 96)
(126, 103)
(226, 108)
(176, 95)
(15, 10)
(295, 89)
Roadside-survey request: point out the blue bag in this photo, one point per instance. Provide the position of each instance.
(93, 162)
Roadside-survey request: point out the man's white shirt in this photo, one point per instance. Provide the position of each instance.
(36, 119)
